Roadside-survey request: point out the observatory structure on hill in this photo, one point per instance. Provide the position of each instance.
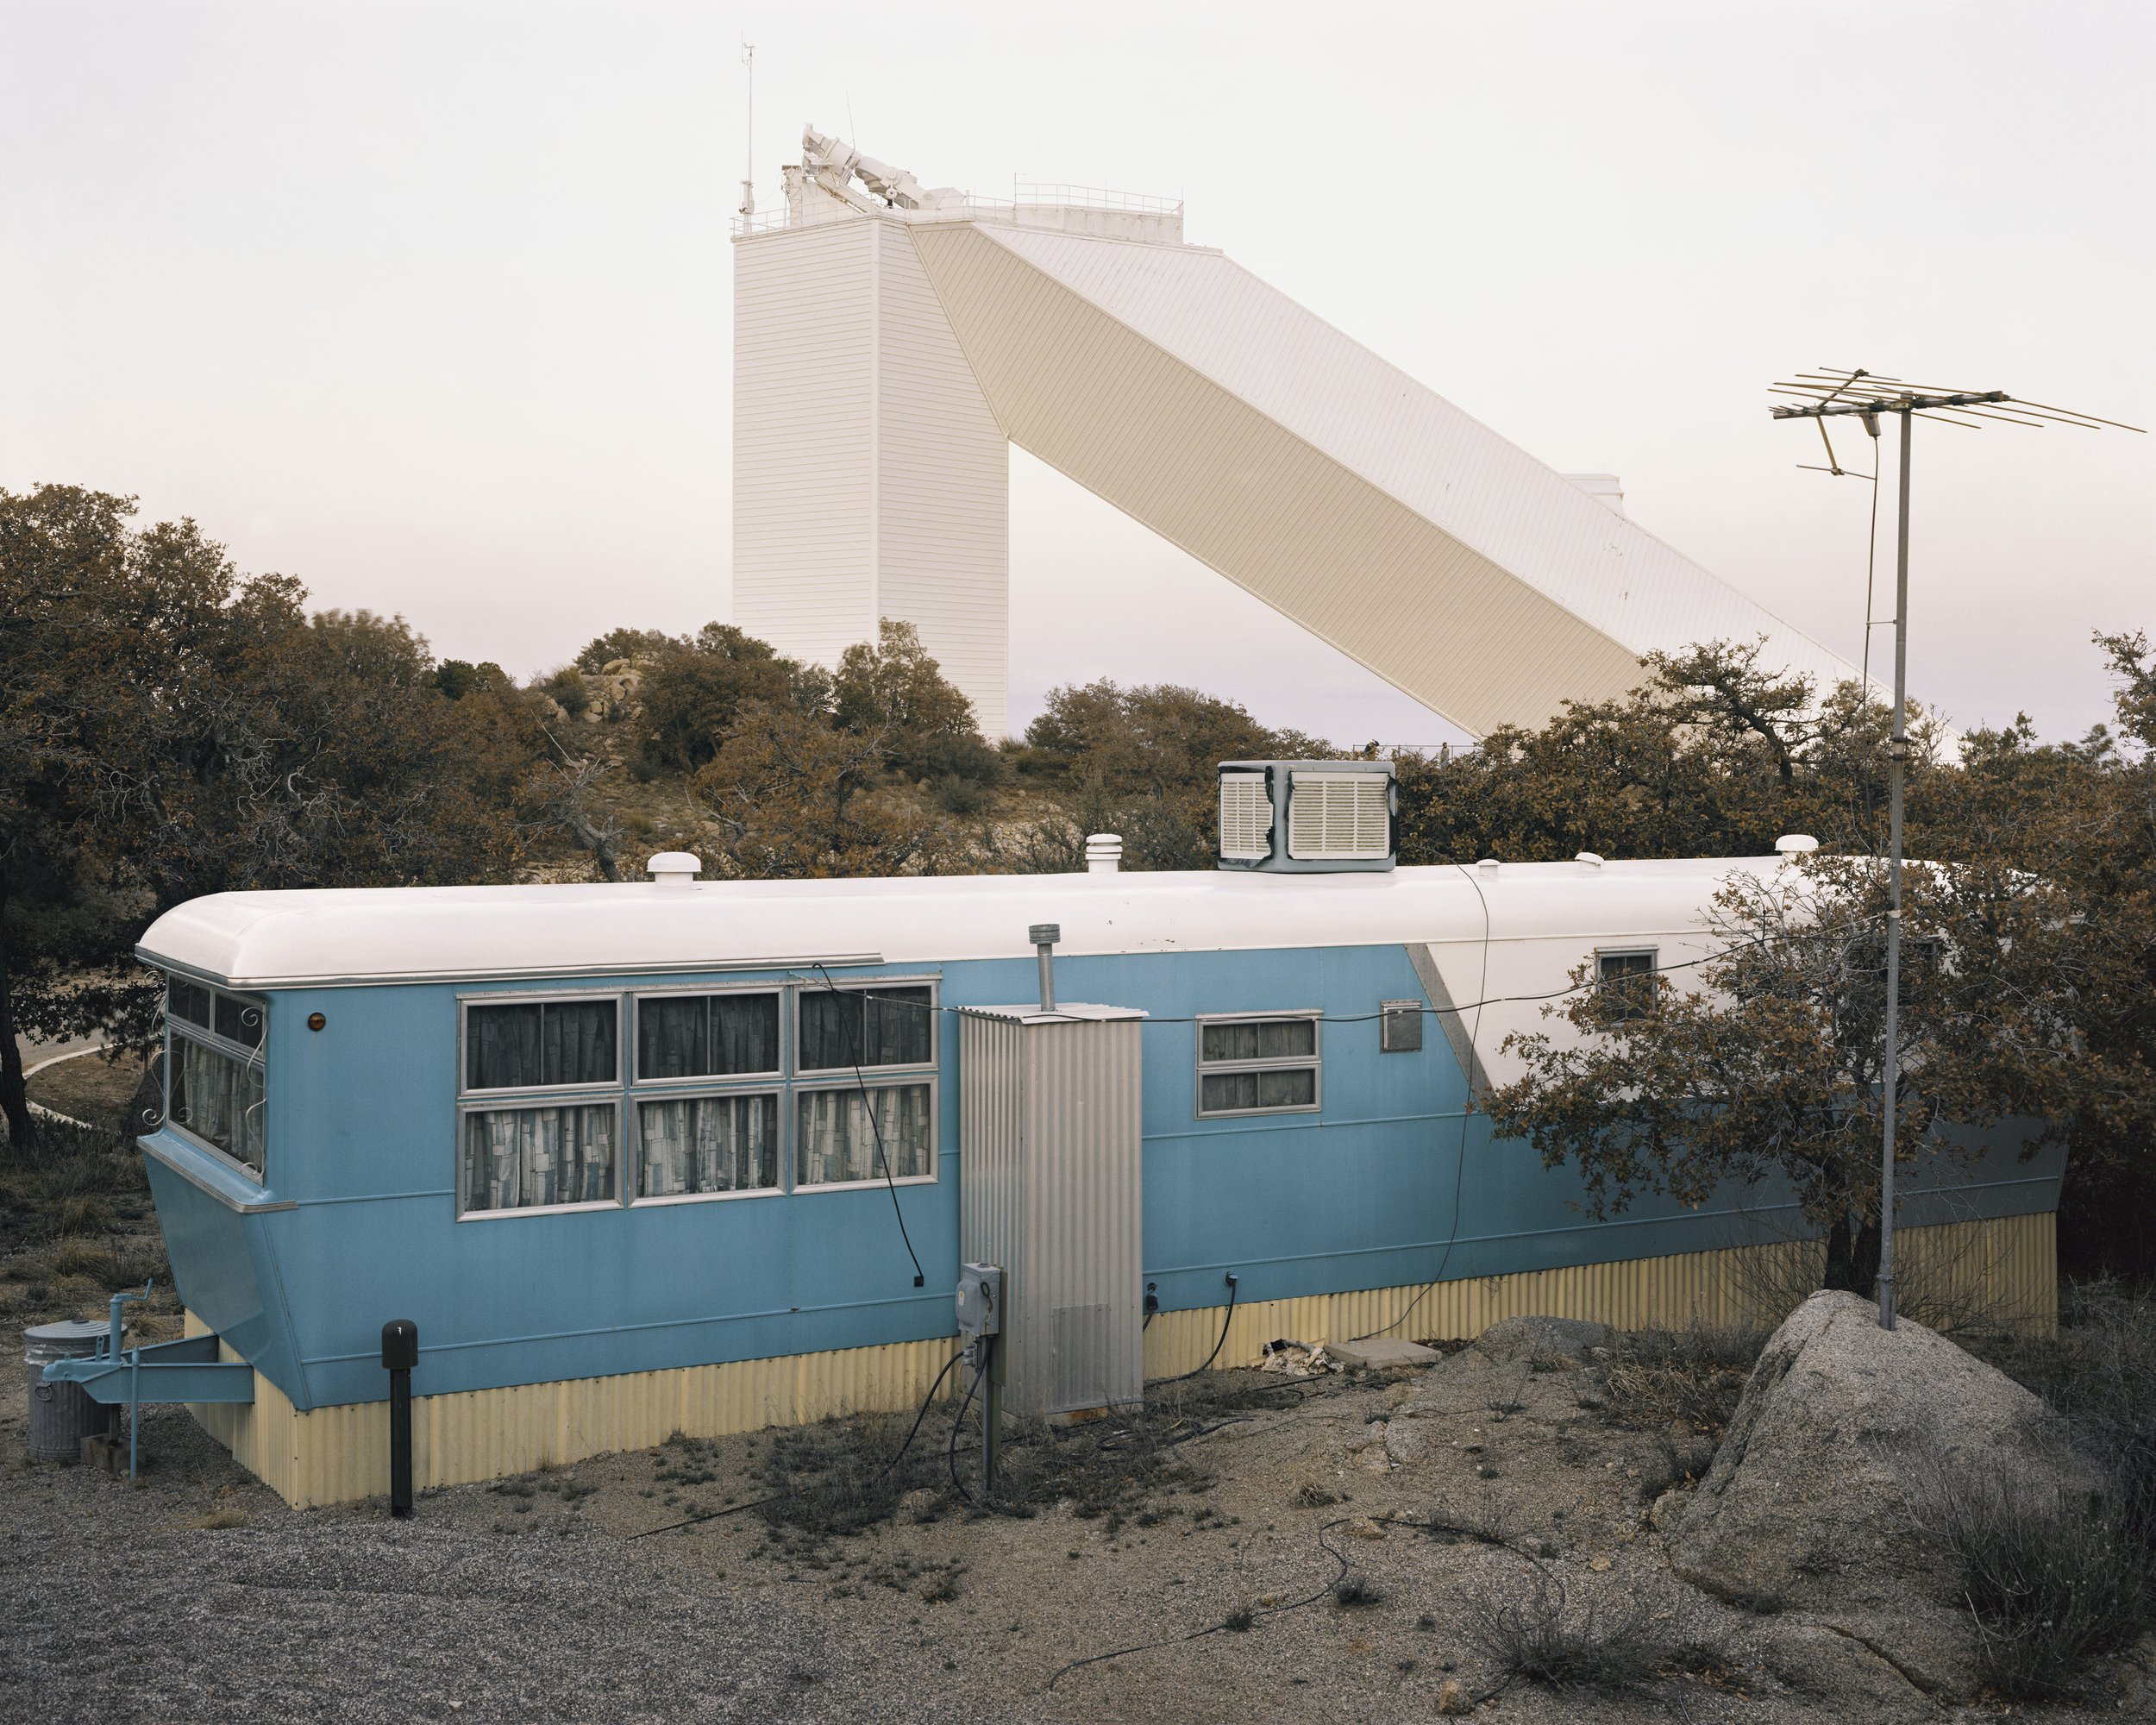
(891, 339)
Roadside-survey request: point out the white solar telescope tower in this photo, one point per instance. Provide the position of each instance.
(891, 339)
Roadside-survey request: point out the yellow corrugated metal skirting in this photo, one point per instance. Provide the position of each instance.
(2002, 1272)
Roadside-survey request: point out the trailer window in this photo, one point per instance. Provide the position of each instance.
(522, 1159)
(1258, 1065)
(864, 1133)
(843, 1027)
(706, 1036)
(537, 1045)
(1626, 980)
(695, 1147)
(214, 1086)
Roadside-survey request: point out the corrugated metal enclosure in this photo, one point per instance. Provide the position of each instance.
(1050, 1187)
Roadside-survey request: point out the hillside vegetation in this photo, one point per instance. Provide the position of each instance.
(171, 727)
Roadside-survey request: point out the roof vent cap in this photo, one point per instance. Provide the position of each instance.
(674, 867)
(1796, 844)
(1489, 865)
(1104, 853)
(1588, 859)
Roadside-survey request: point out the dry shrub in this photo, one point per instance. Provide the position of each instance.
(1613, 1648)
(225, 1515)
(2054, 1580)
(1695, 1376)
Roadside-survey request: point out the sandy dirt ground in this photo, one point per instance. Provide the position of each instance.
(1319, 1552)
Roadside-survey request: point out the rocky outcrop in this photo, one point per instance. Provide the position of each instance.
(1806, 1505)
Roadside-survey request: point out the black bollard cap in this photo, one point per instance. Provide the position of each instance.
(400, 1345)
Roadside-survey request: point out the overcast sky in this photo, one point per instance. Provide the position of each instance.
(429, 304)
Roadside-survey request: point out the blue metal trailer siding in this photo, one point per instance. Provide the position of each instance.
(362, 1134)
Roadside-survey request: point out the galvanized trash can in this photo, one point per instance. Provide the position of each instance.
(62, 1415)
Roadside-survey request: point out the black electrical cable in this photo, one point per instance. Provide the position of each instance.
(950, 1452)
(1221, 1342)
(1339, 1576)
(927, 1401)
(1332, 1586)
(1467, 1007)
(868, 1108)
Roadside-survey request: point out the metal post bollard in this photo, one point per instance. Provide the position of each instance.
(400, 1353)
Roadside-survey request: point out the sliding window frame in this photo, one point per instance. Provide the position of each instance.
(611, 1093)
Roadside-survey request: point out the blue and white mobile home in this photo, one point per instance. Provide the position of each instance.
(665, 1155)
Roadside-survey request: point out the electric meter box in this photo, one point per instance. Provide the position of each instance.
(981, 1300)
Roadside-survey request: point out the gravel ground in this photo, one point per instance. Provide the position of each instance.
(196, 1596)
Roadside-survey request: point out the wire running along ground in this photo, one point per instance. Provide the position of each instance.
(913, 1431)
(1253, 1617)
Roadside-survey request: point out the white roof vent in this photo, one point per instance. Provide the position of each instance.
(1104, 853)
(1588, 859)
(1489, 865)
(674, 867)
(1796, 844)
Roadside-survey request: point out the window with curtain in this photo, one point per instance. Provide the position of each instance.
(215, 1087)
(866, 1027)
(1627, 981)
(706, 1036)
(520, 1158)
(535, 1045)
(836, 1133)
(1258, 1065)
(692, 1145)
(216, 1096)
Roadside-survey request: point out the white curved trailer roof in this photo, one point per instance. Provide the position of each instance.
(1543, 918)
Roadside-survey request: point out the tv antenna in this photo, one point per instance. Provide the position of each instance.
(1830, 393)
(749, 182)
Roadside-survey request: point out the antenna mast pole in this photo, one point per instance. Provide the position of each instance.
(748, 185)
(1898, 763)
(1827, 394)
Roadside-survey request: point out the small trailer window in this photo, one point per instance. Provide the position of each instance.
(533, 1157)
(698, 1146)
(857, 1134)
(1627, 982)
(540, 1045)
(706, 1036)
(1258, 1065)
(843, 1027)
(214, 1069)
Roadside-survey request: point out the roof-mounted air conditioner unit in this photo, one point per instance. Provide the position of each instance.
(1308, 817)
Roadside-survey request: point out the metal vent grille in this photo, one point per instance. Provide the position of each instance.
(1343, 816)
(1081, 1358)
(1246, 817)
(1400, 1026)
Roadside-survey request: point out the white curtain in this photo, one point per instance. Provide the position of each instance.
(218, 1098)
(708, 1144)
(835, 1138)
(517, 1158)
